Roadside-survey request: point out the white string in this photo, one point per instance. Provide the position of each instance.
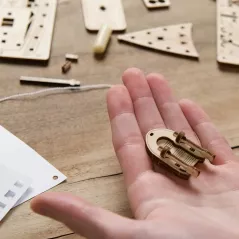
(56, 90)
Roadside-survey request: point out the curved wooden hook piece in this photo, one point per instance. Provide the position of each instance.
(177, 153)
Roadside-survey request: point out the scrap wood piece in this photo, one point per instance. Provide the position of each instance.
(176, 39)
(152, 4)
(227, 32)
(100, 12)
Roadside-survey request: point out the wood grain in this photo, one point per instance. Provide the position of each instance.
(72, 130)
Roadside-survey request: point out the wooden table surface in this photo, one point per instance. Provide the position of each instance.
(72, 131)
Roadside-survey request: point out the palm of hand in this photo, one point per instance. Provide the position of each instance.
(166, 207)
(207, 208)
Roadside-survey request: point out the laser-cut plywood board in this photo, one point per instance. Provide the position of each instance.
(97, 13)
(228, 31)
(176, 39)
(26, 28)
(156, 3)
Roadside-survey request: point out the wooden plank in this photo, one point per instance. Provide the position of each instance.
(38, 227)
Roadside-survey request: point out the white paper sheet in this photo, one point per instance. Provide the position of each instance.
(18, 156)
(12, 186)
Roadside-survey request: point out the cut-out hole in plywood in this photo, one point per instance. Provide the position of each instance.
(9, 194)
(175, 39)
(26, 28)
(152, 4)
(100, 12)
(227, 32)
(7, 22)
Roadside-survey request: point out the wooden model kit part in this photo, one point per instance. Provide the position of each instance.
(26, 28)
(152, 4)
(72, 57)
(48, 81)
(176, 39)
(175, 152)
(102, 39)
(227, 32)
(66, 67)
(100, 12)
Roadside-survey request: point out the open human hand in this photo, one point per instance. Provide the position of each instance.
(164, 207)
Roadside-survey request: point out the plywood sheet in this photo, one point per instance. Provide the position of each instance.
(26, 29)
(97, 13)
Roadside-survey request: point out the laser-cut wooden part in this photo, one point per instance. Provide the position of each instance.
(71, 57)
(66, 67)
(26, 28)
(175, 152)
(48, 81)
(102, 39)
(97, 13)
(176, 39)
(156, 3)
(227, 32)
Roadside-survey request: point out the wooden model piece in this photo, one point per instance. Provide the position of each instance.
(48, 81)
(227, 31)
(175, 152)
(152, 4)
(175, 39)
(109, 12)
(66, 67)
(102, 39)
(72, 57)
(26, 28)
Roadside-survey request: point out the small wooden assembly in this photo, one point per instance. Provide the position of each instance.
(66, 67)
(175, 152)
(227, 31)
(152, 4)
(176, 39)
(26, 28)
(100, 12)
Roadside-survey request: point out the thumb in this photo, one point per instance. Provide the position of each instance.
(81, 217)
